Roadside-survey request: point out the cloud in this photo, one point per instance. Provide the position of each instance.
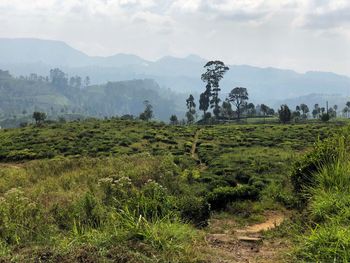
(258, 32)
(325, 15)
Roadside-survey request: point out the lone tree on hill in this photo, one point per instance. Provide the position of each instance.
(215, 71)
(148, 113)
(284, 114)
(239, 97)
(39, 117)
(191, 106)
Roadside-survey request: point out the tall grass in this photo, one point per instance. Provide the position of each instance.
(112, 209)
(328, 239)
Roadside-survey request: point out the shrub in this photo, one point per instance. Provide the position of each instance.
(220, 197)
(21, 220)
(304, 170)
(153, 201)
(89, 211)
(194, 210)
(326, 243)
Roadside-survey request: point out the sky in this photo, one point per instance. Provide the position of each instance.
(301, 35)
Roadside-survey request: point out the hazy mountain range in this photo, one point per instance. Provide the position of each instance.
(182, 75)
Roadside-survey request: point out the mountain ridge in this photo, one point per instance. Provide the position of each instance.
(182, 75)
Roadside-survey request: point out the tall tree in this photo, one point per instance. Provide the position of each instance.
(191, 107)
(204, 99)
(226, 110)
(305, 109)
(215, 71)
(239, 97)
(285, 114)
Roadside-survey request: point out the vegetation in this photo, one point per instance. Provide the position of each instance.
(323, 175)
(133, 191)
(75, 98)
(129, 189)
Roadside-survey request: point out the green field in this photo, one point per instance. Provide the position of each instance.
(131, 191)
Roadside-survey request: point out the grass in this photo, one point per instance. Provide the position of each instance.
(130, 191)
(327, 235)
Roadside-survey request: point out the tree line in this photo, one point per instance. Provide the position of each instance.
(237, 105)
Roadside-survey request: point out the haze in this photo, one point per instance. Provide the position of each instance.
(295, 34)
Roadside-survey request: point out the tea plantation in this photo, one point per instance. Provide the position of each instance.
(132, 191)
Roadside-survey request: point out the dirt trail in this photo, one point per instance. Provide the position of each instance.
(274, 219)
(229, 243)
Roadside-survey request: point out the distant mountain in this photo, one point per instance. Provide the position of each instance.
(182, 75)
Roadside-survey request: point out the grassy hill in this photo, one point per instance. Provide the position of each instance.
(131, 191)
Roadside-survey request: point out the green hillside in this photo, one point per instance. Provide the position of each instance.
(132, 191)
(57, 96)
(18, 95)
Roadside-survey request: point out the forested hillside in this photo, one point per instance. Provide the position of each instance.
(60, 95)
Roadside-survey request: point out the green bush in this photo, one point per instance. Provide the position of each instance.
(21, 220)
(220, 197)
(305, 169)
(326, 243)
(195, 210)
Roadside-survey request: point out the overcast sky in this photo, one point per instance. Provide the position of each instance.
(296, 34)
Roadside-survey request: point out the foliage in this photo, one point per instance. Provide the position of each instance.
(284, 114)
(325, 117)
(220, 197)
(215, 71)
(131, 190)
(328, 207)
(174, 120)
(148, 112)
(306, 168)
(239, 97)
(39, 117)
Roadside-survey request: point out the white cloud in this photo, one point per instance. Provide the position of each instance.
(325, 15)
(259, 32)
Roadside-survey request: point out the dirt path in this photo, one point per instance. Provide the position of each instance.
(229, 243)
